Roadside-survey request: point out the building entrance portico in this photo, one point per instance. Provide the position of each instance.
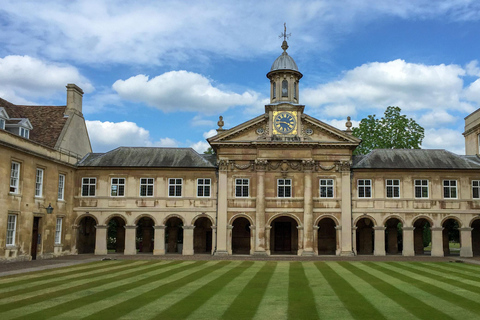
(284, 236)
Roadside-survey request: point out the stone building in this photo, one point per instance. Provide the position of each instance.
(281, 183)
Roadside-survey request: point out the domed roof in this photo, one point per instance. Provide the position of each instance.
(284, 62)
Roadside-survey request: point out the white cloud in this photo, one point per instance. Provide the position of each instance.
(210, 133)
(340, 124)
(181, 91)
(166, 142)
(200, 146)
(435, 118)
(444, 138)
(107, 135)
(198, 121)
(24, 76)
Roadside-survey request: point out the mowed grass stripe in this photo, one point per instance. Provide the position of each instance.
(157, 293)
(252, 294)
(415, 306)
(329, 306)
(274, 304)
(301, 304)
(186, 306)
(450, 272)
(356, 304)
(430, 288)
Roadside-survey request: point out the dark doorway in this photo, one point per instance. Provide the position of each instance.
(327, 237)
(116, 235)
(365, 236)
(451, 238)
(476, 237)
(174, 235)
(86, 235)
(284, 235)
(422, 237)
(36, 237)
(202, 236)
(144, 235)
(241, 236)
(393, 236)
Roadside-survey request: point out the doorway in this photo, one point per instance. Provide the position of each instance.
(36, 237)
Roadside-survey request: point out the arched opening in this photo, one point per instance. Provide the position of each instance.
(86, 235)
(284, 88)
(145, 234)
(327, 236)
(365, 236)
(241, 236)
(174, 235)
(116, 235)
(202, 236)
(393, 236)
(476, 237)
(274, 94)
(422, 237)
(284, 236)
(451, 237)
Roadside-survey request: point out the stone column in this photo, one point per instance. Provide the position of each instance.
(260, 237)
(315, 240)
(188, 240)
(75, 239)
(252, 239)
(338, 250)
(307, 208)
(267, 239)
(101, 239)
(437, 242)
(222, 209)
(466, 242)
(354, 236)
(214, 240)
(159, 240)
(379, 248)
(300, 240)
(408, 241)
(346, 221)
(130, 240)
(229, 239)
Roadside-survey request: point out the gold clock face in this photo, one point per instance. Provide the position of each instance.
(284, 122)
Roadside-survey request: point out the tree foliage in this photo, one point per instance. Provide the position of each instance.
(392, 131)
(209, 151)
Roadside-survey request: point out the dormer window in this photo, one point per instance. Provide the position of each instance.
(24, 133)
(3, 118)
(20, 126)
(284, 88)
(2, 124)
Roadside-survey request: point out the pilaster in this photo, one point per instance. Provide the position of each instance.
(408, 242)
(188, 240)
(308, 208)
(101, 239)
(222, 209)
(466, 242)
(130, 243)
(379, 249)
(260, 237)
(437, 242)
(159, 240)
(346, 220)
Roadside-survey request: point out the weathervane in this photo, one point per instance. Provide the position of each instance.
(284, 34)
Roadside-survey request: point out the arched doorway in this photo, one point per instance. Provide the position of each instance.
(202, 236)
(241, 236)
(144, 235)
(86, 235)
(451, 237)
(476, 237)
(284, 236)
(365, 236)
(422, 236)
(327, 237)
(174, 235)
(116, 235)
(393, 236)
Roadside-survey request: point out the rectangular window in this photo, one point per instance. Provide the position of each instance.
(58, 231)
(476, 189)
(39, 183)
(61, 186)
(146, 187)
(203, 187)
(89, 186)
(175, 187)
(24, 133)
(14, 177)
(11, 229)
(284, 188)
(117, 187)
(2, 124)
(241, 188)
(450, 189)
(364, 188)
(326, 188)
(393, 188)
(421, 188)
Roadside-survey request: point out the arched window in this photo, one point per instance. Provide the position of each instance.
(274, 90)
(284, 88)
(295, 90)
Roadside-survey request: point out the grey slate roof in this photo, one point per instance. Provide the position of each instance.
(147, 157)
(415, 159)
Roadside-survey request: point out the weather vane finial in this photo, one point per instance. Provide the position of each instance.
(284, 34)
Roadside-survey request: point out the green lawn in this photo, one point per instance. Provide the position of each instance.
(245, 290)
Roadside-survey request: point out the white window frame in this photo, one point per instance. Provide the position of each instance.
(11, 229)
(145, 182)
(476, 189)
(39, 183)
(325, 185)
(58, 230)
(24, 133)
(361, 185)
(418, 184)
(203, 186)
(242, 185)
(89, 185)
(282, 185)
(119, 186)
(177, 185)
(15, 177)
(450, 188)
(61, 187)
(2, 123)
(392, 185)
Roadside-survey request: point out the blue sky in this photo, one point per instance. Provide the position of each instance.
(159, 73)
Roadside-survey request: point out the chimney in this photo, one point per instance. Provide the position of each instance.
(74, 99)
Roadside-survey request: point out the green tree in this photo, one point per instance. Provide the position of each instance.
(392, 131)
(209, 151)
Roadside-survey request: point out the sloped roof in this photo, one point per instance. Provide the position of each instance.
(47, 121)
(415, 159)
(147, 157)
